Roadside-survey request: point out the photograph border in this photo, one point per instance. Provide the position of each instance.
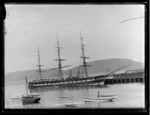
(88, 110)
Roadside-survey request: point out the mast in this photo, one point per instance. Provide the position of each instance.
(59, 61)
(78, 71)
(83, 56)
(39, 65)
(26, 83)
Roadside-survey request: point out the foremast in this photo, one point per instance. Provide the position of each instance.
(60, 73)
(83, 56)
(39, 65)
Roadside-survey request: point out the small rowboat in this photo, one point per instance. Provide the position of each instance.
(108, 96)
(71, 105)
(101, 98)
(65, 97)
(17, 98)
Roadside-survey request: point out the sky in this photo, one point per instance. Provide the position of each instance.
(28, 26)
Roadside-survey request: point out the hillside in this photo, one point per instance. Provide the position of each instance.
(108, 65)
(97, 67)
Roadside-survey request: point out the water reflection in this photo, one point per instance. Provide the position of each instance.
(129, 95)
(43, 89)
(52, 95)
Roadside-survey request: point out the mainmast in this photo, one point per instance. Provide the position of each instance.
(26, 83)
(83, 56)
(39, 65)
(60, 73)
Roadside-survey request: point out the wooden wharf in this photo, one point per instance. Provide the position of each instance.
(127, 77)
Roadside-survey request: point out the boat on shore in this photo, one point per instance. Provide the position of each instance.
(30, 99)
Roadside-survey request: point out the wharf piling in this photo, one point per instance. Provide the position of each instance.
(127, 77)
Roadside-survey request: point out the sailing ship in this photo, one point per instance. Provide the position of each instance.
(78, 80)
(29, 99)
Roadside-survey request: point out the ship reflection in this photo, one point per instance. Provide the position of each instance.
(45, 89)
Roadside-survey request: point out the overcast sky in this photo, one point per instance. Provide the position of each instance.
(104, 35)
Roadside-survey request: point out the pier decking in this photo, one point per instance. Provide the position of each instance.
(127, 77)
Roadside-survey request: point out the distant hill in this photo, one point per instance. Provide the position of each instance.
(97, 67)
(108, 65)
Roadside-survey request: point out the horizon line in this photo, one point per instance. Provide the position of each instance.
(73, 66)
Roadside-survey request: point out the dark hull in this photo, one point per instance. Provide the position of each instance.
(30, 100)
(70, 105)
(69, 82)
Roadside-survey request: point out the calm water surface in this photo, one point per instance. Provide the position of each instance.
(130, 95)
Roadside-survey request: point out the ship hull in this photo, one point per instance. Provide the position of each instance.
(69, 82)
(30, 99)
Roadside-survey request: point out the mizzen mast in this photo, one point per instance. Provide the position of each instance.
(83, 56)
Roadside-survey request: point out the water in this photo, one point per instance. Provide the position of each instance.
(130, 95)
